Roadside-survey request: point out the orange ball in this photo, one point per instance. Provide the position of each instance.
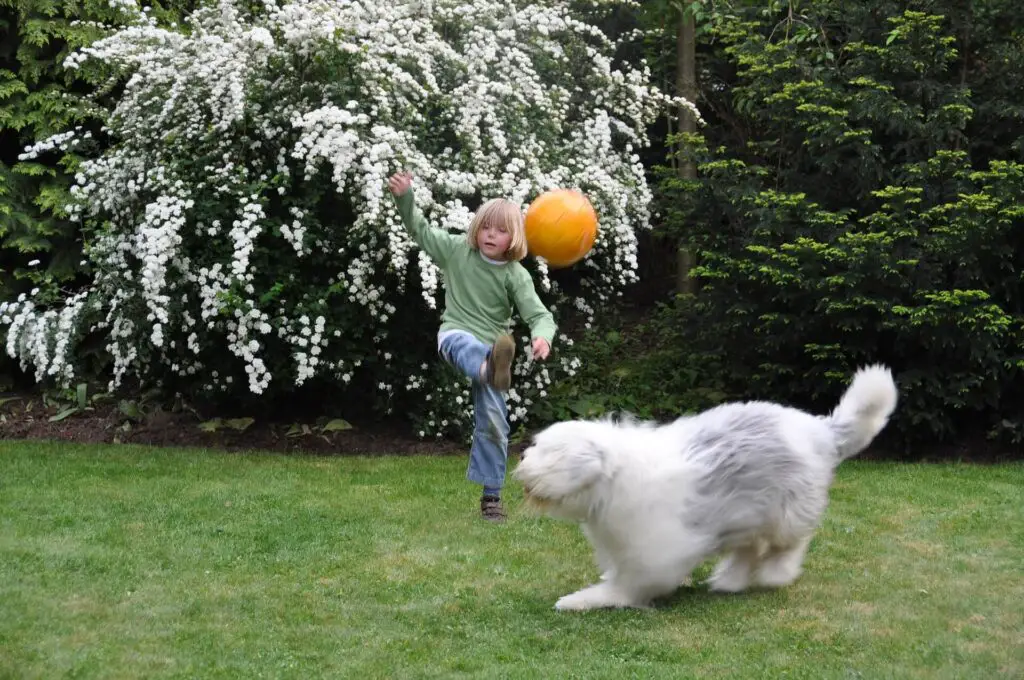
(561, 226)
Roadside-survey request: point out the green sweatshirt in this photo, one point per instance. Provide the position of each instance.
(478, 294)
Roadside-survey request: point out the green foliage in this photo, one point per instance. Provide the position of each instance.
(37, 98)
(633, 367)
(848, 210)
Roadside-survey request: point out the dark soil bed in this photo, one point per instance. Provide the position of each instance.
(27, 417)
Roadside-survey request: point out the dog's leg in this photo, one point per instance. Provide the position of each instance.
(605, 565)
(780, 567)
(612, 593)
(733, 574)
(637, 583)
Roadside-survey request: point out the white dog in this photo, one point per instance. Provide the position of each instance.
(749, 480)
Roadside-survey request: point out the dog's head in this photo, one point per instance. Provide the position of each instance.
(561, 467)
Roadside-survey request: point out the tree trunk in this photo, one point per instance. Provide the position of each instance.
(686, 86)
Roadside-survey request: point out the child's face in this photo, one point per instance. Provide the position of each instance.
(493, 241)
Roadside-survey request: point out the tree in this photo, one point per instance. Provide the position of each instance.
(686, 86)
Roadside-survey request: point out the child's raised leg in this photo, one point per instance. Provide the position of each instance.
(478, 362)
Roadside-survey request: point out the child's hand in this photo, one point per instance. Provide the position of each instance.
(541, 348)
(399, 183)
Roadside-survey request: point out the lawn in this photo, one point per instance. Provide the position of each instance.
(131, 562)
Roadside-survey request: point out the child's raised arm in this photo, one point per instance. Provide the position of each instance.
(436, 243)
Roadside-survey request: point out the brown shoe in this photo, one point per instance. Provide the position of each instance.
(491, 509)
(499, 364)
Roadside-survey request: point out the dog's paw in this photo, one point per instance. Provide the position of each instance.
(733, 573)
(599, 596)
(726, 586)
(777, 575)
(572, 603)
(591, 597)
(729, 582)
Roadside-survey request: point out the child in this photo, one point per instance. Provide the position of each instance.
(482, 278)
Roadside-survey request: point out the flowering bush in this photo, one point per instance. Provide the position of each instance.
(239, 227)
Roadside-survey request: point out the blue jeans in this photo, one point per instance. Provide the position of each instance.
(488, 454)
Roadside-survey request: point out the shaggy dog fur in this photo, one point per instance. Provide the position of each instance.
(747, 480)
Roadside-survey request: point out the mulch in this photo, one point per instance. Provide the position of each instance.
(29, 418)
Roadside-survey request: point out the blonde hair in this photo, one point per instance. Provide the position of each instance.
(505, 214)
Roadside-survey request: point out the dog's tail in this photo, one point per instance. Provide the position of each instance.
(863, 410)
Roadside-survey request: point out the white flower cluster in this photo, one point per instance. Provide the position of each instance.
(241, 216)
(309, 344)
(62, 141)
(294, 232)
(43, 338)
(156, 242)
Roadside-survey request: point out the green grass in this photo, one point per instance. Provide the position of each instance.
(127, 562)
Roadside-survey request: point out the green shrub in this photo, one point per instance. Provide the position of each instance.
(630, 363)
(851, 225)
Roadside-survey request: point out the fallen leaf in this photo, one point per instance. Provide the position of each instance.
(210, 425)
(337, 425)
(240, 424)
(64, 414)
